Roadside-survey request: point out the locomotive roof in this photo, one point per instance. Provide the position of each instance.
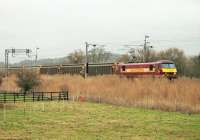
(150, 63)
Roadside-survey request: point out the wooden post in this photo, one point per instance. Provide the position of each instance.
(33, 96)
(14, 97)
(4, 95)
(51, 96)
(24, 96)
(59, 97)
(67, 95)
(38, 97)
(64, 95)
(42, 96)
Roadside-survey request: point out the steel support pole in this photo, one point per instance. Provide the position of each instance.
(86, 59)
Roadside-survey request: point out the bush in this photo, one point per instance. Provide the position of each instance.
(27, 80)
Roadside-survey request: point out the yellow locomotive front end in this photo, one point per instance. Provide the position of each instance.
(168, 70)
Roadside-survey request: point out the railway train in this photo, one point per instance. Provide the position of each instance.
(162, 68)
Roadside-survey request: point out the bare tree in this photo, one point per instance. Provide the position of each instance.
(194, 68)
(139, 55)
(177, 56)
(124, 58)
(76, 57)
(98, 55)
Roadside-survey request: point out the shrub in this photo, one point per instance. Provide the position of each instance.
(27, 80)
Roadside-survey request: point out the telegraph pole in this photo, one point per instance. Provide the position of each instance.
(86, 53)
(146, 48)
(36, 55)
(145, 41)
(6, 62)
(86, 59)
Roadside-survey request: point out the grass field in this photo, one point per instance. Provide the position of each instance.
(83, 120)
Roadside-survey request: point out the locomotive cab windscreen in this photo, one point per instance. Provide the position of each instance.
(168, 69)
(168, 65)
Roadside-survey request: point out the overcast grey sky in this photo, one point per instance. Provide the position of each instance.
(58, 27)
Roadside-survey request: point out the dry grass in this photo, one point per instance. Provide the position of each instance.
(182, 95)
(9, 84)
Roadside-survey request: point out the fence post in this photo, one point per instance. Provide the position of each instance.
(64, 95)
(4, 96)
(67, 95)
(24, 97)
(59, 97)
(51, 96)
(14, 97)
(42, 96)
(33, 96)
(38, 97)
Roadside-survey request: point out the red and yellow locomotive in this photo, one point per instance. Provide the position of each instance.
(162, 68)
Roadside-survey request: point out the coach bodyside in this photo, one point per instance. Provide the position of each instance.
(139, 70)
(163, 68)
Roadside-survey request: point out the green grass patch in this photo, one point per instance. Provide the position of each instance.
(80, 120)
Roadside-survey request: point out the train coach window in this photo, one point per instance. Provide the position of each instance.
(151, 67)
(123, 68)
